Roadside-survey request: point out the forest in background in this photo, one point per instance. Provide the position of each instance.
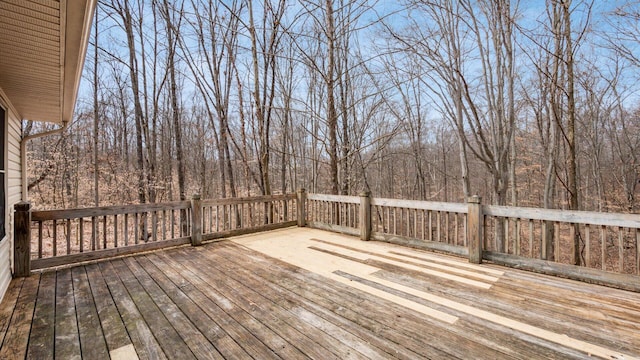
(525, 103)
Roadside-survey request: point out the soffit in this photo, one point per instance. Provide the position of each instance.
(42, 49)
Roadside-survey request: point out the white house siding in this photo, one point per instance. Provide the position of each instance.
(14, 195)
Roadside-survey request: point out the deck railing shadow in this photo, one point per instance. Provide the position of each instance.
(540, 240)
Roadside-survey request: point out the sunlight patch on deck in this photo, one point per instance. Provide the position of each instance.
(127, 352)
(294, 245)
(444, 275)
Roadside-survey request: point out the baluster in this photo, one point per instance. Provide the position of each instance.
(55, 238)
(68, 221)
(587, 246)
(603, 247)
(81, 237)
(620, 250)
(104, 231)
(530, 238)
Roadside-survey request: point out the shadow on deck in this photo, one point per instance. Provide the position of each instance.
(302, 293)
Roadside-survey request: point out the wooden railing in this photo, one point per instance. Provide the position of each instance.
(433, 225)
(604, 246)
(59, 237)
(228, 217)
(540, 240)
(334, 212)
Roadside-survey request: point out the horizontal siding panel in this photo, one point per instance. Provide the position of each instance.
(14, 154)
(15, 129)
(14, 195)
(5, 266)
(14, 182)
(13, 166)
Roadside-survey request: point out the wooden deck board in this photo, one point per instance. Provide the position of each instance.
(114, 330)
(8, 305)
(205, 325)
(17, 336)
(141, 337)
(264, 342)
(410, 329)
(67, 339)
(251, 298)
(234, 322)
(190, 335)
(92, 342)
(304, 306)
(43, 325)
(170, 341)
(312, 335)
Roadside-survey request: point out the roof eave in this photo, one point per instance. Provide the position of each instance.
(77, 30)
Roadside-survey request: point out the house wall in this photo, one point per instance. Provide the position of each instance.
(14, 191)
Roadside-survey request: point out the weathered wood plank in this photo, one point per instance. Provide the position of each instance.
(469, 274)
(620, 281)
(41, 342)
(16, 338)
(261, 321)
(502, 300)
(620, 304)
(92, 341)
(8, 305)
(115, 333)
(491, 345)
(106, 253)
(412, 330)
(192, 337)
(421, 244)
(168, 337)
(565, 216)
(247, 200)
(22, 240)
(307, 337)
(228, 348)
(237, 232)
(298, 303)
(334, 228)
(334, 198)
(257, 340)
(106, 211)
(420, 205)
(142, 338)
(67, 339)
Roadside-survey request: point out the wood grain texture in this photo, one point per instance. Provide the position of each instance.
(226, 300)
(16, 338)
(594, 276)
(43, 325)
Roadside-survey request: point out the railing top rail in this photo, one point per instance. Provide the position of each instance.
(44, 215)
(567, 216)
(334, 198)
(422, 205)
(246, 200)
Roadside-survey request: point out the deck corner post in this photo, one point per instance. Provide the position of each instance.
(301, 202)
(365, 215)
(475, 224)
(196, 220)
(22, 240)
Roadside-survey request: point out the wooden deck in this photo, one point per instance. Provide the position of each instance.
(300, 293)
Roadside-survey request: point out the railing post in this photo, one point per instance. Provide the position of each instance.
(196, 220)
(475, 224)
(301, 202)
(22, 240)
(365, 215)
